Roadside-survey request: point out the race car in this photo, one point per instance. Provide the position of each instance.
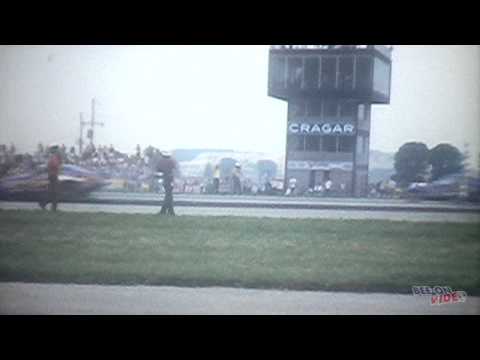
(75, 183)
(446, 188)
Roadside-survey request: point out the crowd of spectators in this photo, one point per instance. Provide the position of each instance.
(132, 172)
(135, 171)
(8, 158)
(104, 160)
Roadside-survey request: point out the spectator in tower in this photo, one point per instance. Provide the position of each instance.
(53, 168)
(237, 184)
(216, 179)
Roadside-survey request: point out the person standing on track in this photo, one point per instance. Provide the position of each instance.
(53, 169)
(167, 165)
(237, 179)
(216, 179)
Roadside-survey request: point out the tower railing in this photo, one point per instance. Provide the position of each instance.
(386, 50)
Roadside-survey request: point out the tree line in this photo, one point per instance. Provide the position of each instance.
(414, 162)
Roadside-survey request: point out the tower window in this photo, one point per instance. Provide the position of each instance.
(381, 77)
(312, 143)
(330, 109)
(329, 73)
(295, 72)
(364, 73)
(346, 144)
(311, 72)
(296, 142)
(277, 75)
(298, 108)
(347, 109)
(329, 143)
(315, 108)
(345, 73)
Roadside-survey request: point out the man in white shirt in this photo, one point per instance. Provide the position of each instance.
(292, 184)
(328, 186)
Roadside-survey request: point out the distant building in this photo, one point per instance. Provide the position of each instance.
(330, 90)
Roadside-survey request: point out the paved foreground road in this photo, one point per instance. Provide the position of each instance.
(24, 298)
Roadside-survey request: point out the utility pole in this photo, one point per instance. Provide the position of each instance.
(80, 140)
(93, 123)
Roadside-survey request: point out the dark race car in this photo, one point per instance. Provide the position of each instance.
(450, 187)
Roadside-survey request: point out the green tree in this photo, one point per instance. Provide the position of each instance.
(411, 162)
(466, 158)
(478, 165)
(445, 159)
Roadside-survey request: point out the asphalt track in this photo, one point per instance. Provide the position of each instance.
(281, 202)
(266, 212)
(57, 299)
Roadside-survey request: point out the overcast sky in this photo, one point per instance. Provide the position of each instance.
(216, 97)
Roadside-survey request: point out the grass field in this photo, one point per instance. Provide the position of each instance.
(347, 255)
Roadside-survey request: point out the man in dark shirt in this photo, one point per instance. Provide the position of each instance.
(53, 169)
(167, 165)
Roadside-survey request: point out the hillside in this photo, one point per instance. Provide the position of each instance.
(381, 166)
(193, 161)
(191, 154)
(381, 160)
(196, 166)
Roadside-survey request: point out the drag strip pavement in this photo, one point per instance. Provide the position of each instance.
(456, 217)
(276, 202)
(27, 298)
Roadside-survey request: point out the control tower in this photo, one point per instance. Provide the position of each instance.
(330, 90)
